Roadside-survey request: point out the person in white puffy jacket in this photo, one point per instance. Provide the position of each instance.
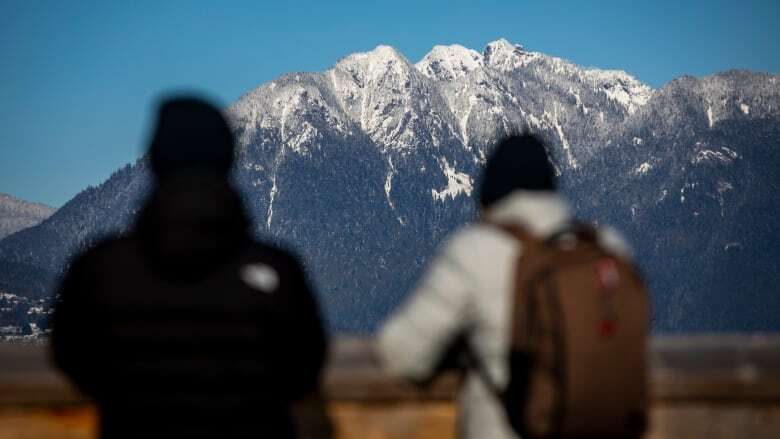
(466, 291)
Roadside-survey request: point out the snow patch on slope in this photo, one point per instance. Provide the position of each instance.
(711, 155)
(643, 168)
(457, 182)
(620, 87)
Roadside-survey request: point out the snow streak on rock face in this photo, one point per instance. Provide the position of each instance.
(457, 183)
(364, 168)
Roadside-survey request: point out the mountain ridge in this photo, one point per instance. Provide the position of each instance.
(17, 214)
(364, 168)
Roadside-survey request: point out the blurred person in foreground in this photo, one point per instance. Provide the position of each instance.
(467, 292)
(186, 327)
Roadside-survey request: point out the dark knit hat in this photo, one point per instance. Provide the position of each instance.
(518, 162)
(190, 134)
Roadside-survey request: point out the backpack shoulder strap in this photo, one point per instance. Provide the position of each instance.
(519, 233)
(580, 230)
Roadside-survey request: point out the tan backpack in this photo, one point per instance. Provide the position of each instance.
(580, 324)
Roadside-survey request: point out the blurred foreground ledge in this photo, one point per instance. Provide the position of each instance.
(708, 386)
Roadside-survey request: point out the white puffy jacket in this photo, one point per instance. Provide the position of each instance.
(469, 284)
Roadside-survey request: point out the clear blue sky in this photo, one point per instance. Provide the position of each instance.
(78, 81)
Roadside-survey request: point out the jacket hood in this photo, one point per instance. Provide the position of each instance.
(542, 212)
(191, 224)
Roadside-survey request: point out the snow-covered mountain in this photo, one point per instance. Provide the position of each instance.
(364, 168)
(17, 214)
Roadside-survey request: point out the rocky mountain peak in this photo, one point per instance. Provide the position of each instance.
(503, 55)
(389, 99)
(447, 63)
(375, 66)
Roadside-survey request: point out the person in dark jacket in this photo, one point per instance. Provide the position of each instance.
(186, 327)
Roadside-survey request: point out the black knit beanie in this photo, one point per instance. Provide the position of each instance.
(190, 134)
(518, 162)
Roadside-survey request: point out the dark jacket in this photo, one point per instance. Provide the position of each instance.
(186, 327)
